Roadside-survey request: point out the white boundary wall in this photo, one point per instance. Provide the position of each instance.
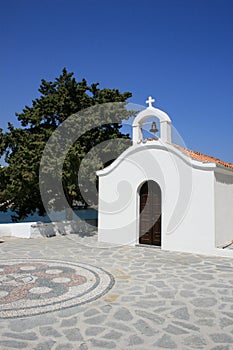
(35, 229)
(20, 230)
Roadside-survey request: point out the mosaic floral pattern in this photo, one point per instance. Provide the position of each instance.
(30, 287)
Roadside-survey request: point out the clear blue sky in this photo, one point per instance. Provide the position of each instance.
(178, 51)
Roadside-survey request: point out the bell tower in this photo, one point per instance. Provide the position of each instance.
(150, 111)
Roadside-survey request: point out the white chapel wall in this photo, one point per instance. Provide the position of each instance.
(196, 232)
(119, 202)
(223, 208)
(118, 192)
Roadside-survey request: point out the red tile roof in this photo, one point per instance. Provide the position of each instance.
(199, 156)
(203, 157)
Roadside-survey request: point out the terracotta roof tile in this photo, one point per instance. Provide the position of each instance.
(203, 157)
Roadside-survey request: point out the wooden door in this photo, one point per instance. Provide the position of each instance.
(150, 214)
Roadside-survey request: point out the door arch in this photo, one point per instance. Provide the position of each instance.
(150, 214)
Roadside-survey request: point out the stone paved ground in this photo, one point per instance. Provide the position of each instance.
(160, 300)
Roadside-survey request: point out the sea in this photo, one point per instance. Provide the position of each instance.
(84, 214)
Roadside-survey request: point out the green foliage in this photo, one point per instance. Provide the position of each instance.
(22, 148)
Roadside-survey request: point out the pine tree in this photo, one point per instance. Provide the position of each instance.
(22, 147)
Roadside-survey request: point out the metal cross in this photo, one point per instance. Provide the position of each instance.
(150, 101)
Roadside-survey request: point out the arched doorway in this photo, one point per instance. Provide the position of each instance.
(150, 214)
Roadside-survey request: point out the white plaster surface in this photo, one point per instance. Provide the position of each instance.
(35, 229)
(21, 230)
(189, 196)
(223, 207)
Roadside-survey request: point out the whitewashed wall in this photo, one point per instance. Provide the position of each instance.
(35, 229)
(223, 208)
(119, 198)
(20, 230)
(196, 233)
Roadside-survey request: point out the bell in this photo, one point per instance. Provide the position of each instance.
(153, 128)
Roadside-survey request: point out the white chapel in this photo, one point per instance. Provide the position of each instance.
(160, 194)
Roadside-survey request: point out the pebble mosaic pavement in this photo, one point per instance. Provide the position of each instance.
(30, 287)
(160, 299)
